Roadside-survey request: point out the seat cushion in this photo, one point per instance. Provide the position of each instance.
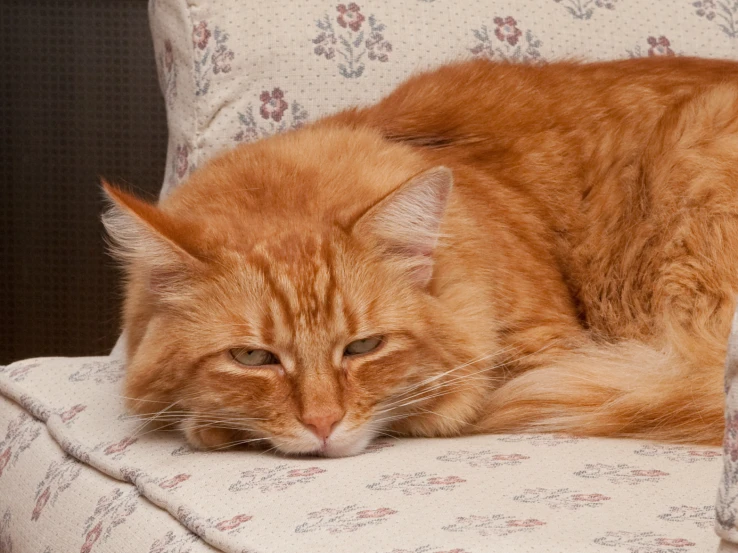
(509, 493)
(52, 502)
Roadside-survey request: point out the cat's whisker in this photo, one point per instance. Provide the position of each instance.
(403, 402)
(183, 397)
(496, 366)
(382, 433)
(403, 397)
(392, 418)
(274, 448)
(237, 443)
(162, 412)
(201, 421)
(428, 397)
(416, 392)
(479, 359)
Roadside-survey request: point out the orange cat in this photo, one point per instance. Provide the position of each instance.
(491, 248)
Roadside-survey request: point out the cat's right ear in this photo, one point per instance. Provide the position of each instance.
(407, 223)
(143, 236)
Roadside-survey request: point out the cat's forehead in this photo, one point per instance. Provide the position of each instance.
(296, 246)
(305, 295)
(302, 266)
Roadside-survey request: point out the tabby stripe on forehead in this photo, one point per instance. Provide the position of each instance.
(330, 287)
(264, 266)
(266, 327)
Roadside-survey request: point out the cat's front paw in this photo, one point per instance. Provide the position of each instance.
(209, 438)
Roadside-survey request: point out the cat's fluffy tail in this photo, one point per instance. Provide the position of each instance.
(627, 390)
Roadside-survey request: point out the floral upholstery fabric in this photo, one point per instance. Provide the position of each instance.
(52, 502)
(77, 474)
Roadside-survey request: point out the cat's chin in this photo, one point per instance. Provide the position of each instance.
(341, 444)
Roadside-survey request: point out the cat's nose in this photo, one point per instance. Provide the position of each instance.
(322, 422)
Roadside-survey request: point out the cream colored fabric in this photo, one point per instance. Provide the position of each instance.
(510, 494)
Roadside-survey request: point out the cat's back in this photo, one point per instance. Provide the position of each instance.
(459, 100)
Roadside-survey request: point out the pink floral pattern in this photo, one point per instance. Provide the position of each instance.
(621, 473)
(507, 30)
(18, 371)
(494, 525)
(350, 16)
(680, 453)
(201, 35)
(70, 414)
(111, 511)
(173, 543)
(168, 72)
(278, 478)
(562, 498)
(229, 525)
(485, 458)
(357, 37)
(418, 483)
(506, 42)
(99, 372)
(276, 115)
(20, 434)
(346, 519)
(645, 542)
(174, 481)
(702, 517)
(215, 56)
(660, 46)
(118, 449)
(233, 523)
(59, 477)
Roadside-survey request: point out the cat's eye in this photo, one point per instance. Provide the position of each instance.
(253, 357)
(357, 347)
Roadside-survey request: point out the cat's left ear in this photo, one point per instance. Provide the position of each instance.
(144, 236)
(407, 223)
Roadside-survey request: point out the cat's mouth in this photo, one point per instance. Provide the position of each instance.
(343, 442)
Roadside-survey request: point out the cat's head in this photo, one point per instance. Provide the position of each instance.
(283, 294)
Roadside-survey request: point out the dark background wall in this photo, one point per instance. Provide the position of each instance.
(78, 100)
